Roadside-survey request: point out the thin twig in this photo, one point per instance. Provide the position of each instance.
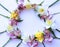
(6, 42)
(43, 44)
(19, 43)
(53, 3)
(4, 8)
(4, 16)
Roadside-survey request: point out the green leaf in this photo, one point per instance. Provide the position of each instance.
(5, 16)
(52, 32)
(53, 3)
(19, 43)
(4, 8)
(6, 42)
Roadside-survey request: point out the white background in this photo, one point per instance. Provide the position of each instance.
(31, 22)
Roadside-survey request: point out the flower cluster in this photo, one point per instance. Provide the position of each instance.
(39, 36)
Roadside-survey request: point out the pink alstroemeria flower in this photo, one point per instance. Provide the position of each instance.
(48, 37)
(32, 42)
(13, 22)
(21, 7)
(15, 34)
(46, 16)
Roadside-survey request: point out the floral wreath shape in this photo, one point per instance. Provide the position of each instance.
(38, 37)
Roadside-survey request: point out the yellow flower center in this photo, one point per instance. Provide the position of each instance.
(41, 10)
(14, 15)
(39, 36)
(49, 22)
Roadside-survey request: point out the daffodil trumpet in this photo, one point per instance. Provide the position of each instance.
(7, 42)
(54, 3)
(39, 36)
(4, 8)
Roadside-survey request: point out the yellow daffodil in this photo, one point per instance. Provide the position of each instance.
(39, 36)
(14, 15)
(49, 22)
(41, 10)
(28, 6)
(10, 28)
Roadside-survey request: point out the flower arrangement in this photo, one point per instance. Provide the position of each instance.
(39, 36)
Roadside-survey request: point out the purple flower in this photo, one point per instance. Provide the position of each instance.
(13, 22)
(32, 42)
(48, 37)
(21, 7)
(16, 34)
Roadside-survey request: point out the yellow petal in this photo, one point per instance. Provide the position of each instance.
(39, 36)
(13, 15)
(41, 40)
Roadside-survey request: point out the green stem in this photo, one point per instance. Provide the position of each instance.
(41, 3)
(56, 38)
(58, 30)
(55, 13)
(6, 42)
(5, 16)
(28, 0)
(4, 8)
(52, 32)
(3, 32)
(43, 44)
(19, 43)
(17, 1)
(54, 3)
